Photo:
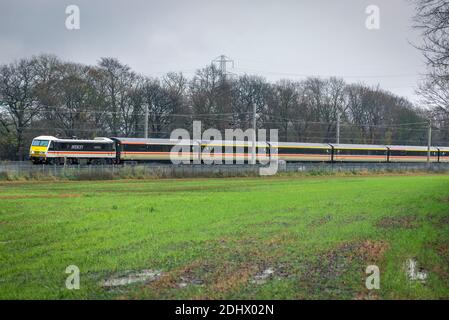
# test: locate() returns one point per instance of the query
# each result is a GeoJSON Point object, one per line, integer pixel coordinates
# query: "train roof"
{"type": "Point", "coordinates": [232, 143]}
{"type": "Point", "coordinates": [45, 138]}
{"type": "Point", "coordinates": [303, 145]}
{"type": "Point", "coordinates": [411, 148]}
{"type": "Point", "coordinates": [145, 140]}
{"type": "Point", "coordinates": [96, 140]}
{"type": "Point", "coordinates": [124, 140]}
{"type": "Point", "coordinates": [359, 146]}
{"type": "Point", "coordinates": [175, 141]}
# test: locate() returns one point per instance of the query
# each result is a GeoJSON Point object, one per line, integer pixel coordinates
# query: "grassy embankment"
{"type": "Point", "coordinates": [214, 238]}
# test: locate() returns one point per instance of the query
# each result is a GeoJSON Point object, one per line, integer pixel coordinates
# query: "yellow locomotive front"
{"type": "Point", "coordinates": [38, 149]}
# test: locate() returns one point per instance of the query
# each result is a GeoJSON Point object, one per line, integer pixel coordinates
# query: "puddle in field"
{"type": "Point", "coordinates": [185, 281]}
{"type": "Point", "coordinates": [263, 276]}
{"type": "Point", "coordinates": [414, 273]}
{"type": "Point", "coordinates": [146, 275]}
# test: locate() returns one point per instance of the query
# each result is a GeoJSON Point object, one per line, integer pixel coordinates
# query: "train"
{"type": "Point", "coordinates": [117, 150]}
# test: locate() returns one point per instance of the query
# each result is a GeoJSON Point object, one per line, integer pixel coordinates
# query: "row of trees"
{"type": "Point", "coordinates": [44, 95]}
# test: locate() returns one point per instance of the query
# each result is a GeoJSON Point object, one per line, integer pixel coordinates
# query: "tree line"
{"type": "Point", "coordinates": [46, 95]}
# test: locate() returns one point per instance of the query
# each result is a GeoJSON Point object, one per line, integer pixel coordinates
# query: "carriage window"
{"type": "Point", "coordinates": [417, 153]}
{"type": "Point", "coordinates": [134, 147]}
{"type": "Point", "coordinates": [363, 152]}
{"type": "Point", "coordinates": [412, 153]}
{"type": "Point", "coordinates": [398, 152]}
{"type": "Point", "coordinates": [303, 150]}
{"type": "Point", "coordinates": [409, 153]}
{"type": "Point", "coordinates": [160, 147]}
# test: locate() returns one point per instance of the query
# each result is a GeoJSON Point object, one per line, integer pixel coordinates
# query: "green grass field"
{"type": "Point", "coordinates": [213, 238]}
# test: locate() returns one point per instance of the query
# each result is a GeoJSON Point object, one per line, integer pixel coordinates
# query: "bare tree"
{"type": "Point", "coordinates": [432, 19]}
{"type": "Point", "coordinates": [434, 91]}
{"type": "Point", "coordinates": [282, 104]}
{"type": "Point", "coordinates": [161, 106]}
{"type": "Point", "coordinates": [70, 110]}
{"type": "Point", "coordinates": [301, 114]}
{"type": "Point", "coordinates": [366, 108]}
{"type": "Point", "coordinates": [325, 98]}
{"type": "Point", "coordinates": [176, 86]}
{"type": "Point", "coordinates": [117, 78]}
{"type": "Point", "coordinates": [247, 91]}
{"type": "Point", "coordinates": [17, 99]}
{"type": "Point", "coordinates": [210, 97]}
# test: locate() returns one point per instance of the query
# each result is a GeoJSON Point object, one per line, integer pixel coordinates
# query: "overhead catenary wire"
{"type": "Point", "coordinates": [397, 75]}
{"type": "Point", "coordinates": [316, 139]}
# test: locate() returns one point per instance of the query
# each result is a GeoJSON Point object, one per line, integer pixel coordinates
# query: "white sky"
{"type": "Point", "coordinates": [275, 39]}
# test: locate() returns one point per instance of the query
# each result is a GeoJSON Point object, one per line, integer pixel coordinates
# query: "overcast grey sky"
{"type": "Point", "coordinates": [275, 39]}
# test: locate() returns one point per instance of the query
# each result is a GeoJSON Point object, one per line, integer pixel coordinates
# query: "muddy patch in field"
{"type": "Point", "coordinates": [146, 275]}
{"type": "Point", "coordinates": [230, 278]}
{"type": "Point", "coordinates": [215, 279]}
{"type": "Point", "coordinates": [247, 265]}
{"type": "Point", "coordinates": [438, 220]}
{"type": "Point", "coordinates": [443, 221]}
{"type": "Point", "coordinates": [373, 250]}
{"type": "Point", "coordinates": [443, 250]}
{"type": "Point", "coordinates": [333, 263]}
{"type": "Point", "coordinates": [220, 188]}
{"type": "Point", "coordinates": [323, 276]}
{"type": "Point", "coordinates": [193, 273]}
{"type": "Point", "coordinates": [352, 219]}
{"type": "Point", "coordinates": [320, 221]}
{"type": "Point", "coordinates": [441, 268]}
{"type": "Point", "coordinates": [330, 274]}
{"type": "Point", "coordinates": [273, 222]}
{"type": "Point", "coordinates": [230, 265]}
{"type": "Point", "coordinates": [405, 222]}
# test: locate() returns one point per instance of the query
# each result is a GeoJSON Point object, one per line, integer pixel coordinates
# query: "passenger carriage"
{"type": "Point", "coordinates": [359, 153]}
{"type": "Point", "coordinates": [290, 151]}
{"type": "Point", "coordinates": [412, 154]}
